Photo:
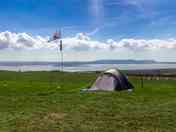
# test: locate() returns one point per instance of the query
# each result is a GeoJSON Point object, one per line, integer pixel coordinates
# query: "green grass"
{"type": "Point", "coordinates": [52, 102]}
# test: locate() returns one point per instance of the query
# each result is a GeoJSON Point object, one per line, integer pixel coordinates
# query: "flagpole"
{"type": "Point", "coordinates": [61, 52]}
{"type": "Point", "coordinates": [59, 63]}
{"type": "Point", "coordinates": [62, 61]}
{"type": "Point", "coordinates": [57, 36]}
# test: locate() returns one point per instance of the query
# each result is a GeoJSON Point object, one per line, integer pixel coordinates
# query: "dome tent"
{"type": "Point", "coordinates": [111, 80]}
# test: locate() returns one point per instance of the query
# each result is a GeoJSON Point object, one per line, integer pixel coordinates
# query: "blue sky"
{"type": "Point", "coordinates": [114, 18]}
{"type": "Point", "coordinates": [100, 19]}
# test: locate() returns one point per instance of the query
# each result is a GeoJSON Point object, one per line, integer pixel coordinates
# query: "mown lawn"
{"type": "Point", "coordinates": [52, 102]}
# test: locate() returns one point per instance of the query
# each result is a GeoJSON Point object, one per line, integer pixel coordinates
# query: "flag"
{"type": "Point", "coordinates": [56, 36]}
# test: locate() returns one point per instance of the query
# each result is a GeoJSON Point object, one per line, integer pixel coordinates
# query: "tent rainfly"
{"type": "Point", "coordinates": [111, 80]}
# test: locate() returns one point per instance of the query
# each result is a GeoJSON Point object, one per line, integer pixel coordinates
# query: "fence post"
{"type": "Point", "coordinates": [142, 82]}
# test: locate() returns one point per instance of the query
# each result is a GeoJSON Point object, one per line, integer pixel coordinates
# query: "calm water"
{"type": "Point", "coordinates": [91, 67]}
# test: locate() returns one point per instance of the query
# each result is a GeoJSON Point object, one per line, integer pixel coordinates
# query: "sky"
{"type": "Point", "coordinates": [91, 29]}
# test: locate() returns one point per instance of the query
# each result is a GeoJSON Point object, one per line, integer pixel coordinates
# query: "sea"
{"type": "Point", "coordinates": [87, 67]}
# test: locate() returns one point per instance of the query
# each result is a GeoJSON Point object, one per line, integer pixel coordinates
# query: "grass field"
{"type": "Point", "coordinates": [52, 102]}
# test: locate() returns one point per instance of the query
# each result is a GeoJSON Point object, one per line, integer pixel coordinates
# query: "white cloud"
{"type": "Point", "coordinates": [81, 42]}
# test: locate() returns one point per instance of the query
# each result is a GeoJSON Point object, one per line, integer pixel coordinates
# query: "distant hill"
{"type": "Point", "coordinates": [76, 63]}
{"type": "Point", "coordinates": [125, 62]}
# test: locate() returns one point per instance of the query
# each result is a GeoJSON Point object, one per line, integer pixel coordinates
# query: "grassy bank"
{"type": "Point", "coordinates": [52, 102]}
